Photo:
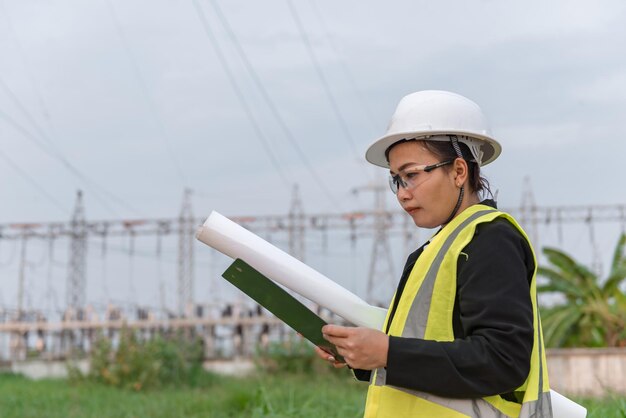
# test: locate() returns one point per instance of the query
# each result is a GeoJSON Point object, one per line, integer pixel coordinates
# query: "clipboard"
{"type": "Point", "coordinates": [276, 300]}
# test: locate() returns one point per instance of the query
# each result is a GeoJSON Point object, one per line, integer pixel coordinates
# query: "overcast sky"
{"type": "Point", "coordinates": [131, 101]}
{"type": "Point", "coordinates": [134, 97]}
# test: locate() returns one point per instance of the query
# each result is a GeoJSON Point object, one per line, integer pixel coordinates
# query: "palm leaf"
{"type": "Point", "coordinates": [558, 326]}
{"type": "Point", "coordinates": [577, 273]}
{"type": "Point", "coordinates": [594, 313]}
{"type": "Point", "coordinates": [620, 300]}
{"type": "Point", "coordinates": [614, 281]}
{"type": "Point", "coordinates": [598, 337]}
{"type": "Point", "coordinates": [567, 264]}
{"type": "Point", "coordinates": [619, 256]}
{"type": "Point", "coordinates": [559, 283]}
{"type": "Point", "coordinates": [590, 326]}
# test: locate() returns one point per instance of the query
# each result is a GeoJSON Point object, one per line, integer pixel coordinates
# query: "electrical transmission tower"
{"type": "Point", "coordinates": [381, 224]}
{"type": "Point", "coordinates": [379, 280]}
{"type": "Point", "coordinates": [528, 209]}
{"type": "Point", "coordinates": [76, 282]}
{"type": "Point", "coordinates": [186, 232]}
{"type": "Point", "coordinates": [296, 226]}
{"type": "Point", "coordinates": [20, 280]}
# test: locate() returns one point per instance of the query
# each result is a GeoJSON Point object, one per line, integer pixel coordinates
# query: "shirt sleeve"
{"type": "Point", "coordinates": [493, 343]}
{"type": "Point", "coordinates": [362, 375]}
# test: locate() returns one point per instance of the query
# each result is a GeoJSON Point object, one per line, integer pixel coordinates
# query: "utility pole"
{"type": "Point", "coordinates": [296, 226]}
{"type": "Point", "coordinates": [76, 283]}
{"type": "Point", "coordinates": [295, 234]}
{"type": "Point", "coordinates": [529, 212]}
{"type": "Point", "coordinates": [21, 278]}
{"type": "Point", "coordinates": [186, 232]}
{"type": "Point", "coordinates": [596, 257]}
{"type": "Point", "coordinates": [379, 279]}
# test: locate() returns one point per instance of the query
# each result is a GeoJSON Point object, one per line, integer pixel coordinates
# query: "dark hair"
{"type": "Point", "coordinates": [444, 151]}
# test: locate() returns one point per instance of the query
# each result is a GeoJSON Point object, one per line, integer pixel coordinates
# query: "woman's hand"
{"type": "Point", "coordinates": [324, 355]}
{"type": "Point", "coordinates": [362, 348]}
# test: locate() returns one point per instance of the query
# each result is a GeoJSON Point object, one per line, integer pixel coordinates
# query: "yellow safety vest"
{"type": "Point", "coordinates": [425, 311]}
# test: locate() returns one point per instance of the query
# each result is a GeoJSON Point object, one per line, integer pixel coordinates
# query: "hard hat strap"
{"type": "Point", "coordinates": [455, 144]}
{"type": "Point", "coordinates": [458, 205]}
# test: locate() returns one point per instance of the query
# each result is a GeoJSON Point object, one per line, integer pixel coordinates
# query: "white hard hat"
{"type": "Point", "coordinates": [434, 115]}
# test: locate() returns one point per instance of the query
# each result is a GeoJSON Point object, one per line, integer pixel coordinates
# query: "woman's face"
{"type": "Point", "coordinates": [434, 195]}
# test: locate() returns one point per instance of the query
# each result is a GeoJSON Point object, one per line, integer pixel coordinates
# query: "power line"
{"type": "Point", "coordinates": [11, 256]}
{"type": "Point", "coordinates": [34, 183]}
{"type": "Point", "coordinates": [344, 228]}
{"type": "Point", "coordinates": [271, 105]}
{"type": "Point", "coordinates": [239, 93]}
{"type": "Point", "coordinates": [51, 154]}
{"type": "Point", "coordinates": [68, 166]}
{"type": "Point", "coordinates": [25, 62]}
{"type": "Point", "coordinates": [30, 119]}
{"type": "Point", "coordinates": [147, 97]}
{"type": "Point", "coordinates": [57, 152]}
{"type": "Point", "coordinates": [322, 77]}
{"type": "Point", "coordinates": [348, 74]}
{"type": "Point", "coordinates": [54, 152]}
{"type": "Point", "coordinates": [136, 253]}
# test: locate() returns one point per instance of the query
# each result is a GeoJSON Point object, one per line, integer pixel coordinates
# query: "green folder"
{"type": "Point", "coordinates": [276, 300]}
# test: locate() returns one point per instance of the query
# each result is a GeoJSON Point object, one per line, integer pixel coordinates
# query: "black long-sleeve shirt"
{"type": "Point", "coordinates": [492, 323]}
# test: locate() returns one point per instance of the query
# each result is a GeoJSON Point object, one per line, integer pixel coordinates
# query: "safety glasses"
{"type": "Point", "coordinates": [411, 177]}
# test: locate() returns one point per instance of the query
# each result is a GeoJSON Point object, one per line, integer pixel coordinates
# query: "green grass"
{"type": "Point", "coordinates": [611, 407]}
{"type": "Point", "coordinates": [327, 395]}
{"type": "Point", "coordinates": [269, 396]}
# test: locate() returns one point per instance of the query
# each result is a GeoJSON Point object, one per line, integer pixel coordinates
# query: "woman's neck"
{"type": "Point", "coordinates": [469, 199]}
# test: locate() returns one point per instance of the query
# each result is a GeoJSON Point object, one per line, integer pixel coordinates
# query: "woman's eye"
{"type": "Point", "coordinates": [410, 176]}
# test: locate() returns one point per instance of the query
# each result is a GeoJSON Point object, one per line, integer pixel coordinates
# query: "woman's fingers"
{"type": "Point", "coordinates": [336, 331]}
{"type": "Point", "coordinates": [362, 348]}
{"type": "Point", "coordinates": [324, 355]}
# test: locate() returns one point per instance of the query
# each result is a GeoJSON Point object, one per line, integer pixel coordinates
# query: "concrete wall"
{"type": "Point", "coordinates": [593, 372]}
{"type": "Point", "coordinates": [42, 369]}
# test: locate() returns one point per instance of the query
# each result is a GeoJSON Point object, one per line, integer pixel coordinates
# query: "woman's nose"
{"type": "Point", "coordinates": [404, 194]}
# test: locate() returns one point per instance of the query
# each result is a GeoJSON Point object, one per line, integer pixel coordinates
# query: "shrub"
{"type": "Point", "coordinates": [139, 364]}
{"type": "Point", "coordinates": [295, 355]}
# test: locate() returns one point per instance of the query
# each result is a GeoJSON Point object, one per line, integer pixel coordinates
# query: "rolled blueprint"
{"type": "Point", "coordinates": [235, 241]}
{"type": "Point", "coordinates": [563, 407]}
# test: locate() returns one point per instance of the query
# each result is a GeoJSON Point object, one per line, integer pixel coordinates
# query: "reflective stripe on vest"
{"type": "Point", "coordinates": [425, 311]}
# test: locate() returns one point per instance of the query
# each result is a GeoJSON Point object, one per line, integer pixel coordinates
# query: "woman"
{"type": "Point", "coordinates": [462, 336]}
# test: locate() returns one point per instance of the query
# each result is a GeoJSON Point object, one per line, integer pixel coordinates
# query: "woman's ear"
{"type": "Point", "coordinates": [460, 170]}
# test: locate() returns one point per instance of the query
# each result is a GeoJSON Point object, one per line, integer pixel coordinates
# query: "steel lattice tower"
{"type": "Point", "coordinates": [529, 212]}
{"type": "Point", "coordinates": [381, 250]}
{"type": "Point", "coordinates": [296, 226]}
{"type": "Point", "coordinates": [20, 283]}
{"type": "Point", "coordinates": [186, 232]}
{"type": "Point", "coordinates": [76, 279]}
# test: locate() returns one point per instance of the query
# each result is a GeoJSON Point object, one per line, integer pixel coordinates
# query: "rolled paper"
{"type": "Point", "coordinates": [563, 407]}
{"type": "Point", "coordinates": [235, 241]}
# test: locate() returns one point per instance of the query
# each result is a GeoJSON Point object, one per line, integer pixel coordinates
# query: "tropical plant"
{"type": "Point", "coordinates": [593, 313]}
